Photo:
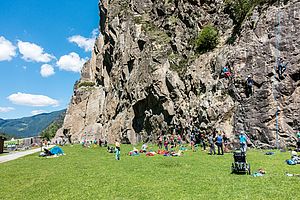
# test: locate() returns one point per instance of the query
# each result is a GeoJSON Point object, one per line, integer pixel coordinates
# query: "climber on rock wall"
{"type": "Point", "coordinates": [226, 72]}
{"type": "Point", "coordinates": [249, 86]}
{"type": "Point", "coordinates": [298, 141]}
{"type": "Point", "coordinates": [281, 67]}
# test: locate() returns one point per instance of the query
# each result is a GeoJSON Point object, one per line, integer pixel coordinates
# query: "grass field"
{"type": "Point", "coordinates": [95, 174]}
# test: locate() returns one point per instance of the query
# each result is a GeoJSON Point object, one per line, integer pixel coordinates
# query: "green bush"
{"type": "Point", "coordinates": [207, 39]}
{"type": "Point", "coordinates": [86, 84]}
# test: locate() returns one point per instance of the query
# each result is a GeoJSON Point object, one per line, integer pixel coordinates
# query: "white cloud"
{"type": "Point", "coordinates": [47, 70]}
{"type": "Point", "coordinates": [32, 100]}
{"type": "Point", "coordinates": [71, 62]}
{"type": "Point", "coordinates": [33, 52]}
{"type": "Point", "coordinates": [86, 43]}
{"type": "Point", "coordinates": [7, 49]}
{"type": "Point", "coordinates": [6, 109]}
{"type": "Point", "coordinates": [36, 112]}
{"type": "Point", "coordinates": [95, 33]}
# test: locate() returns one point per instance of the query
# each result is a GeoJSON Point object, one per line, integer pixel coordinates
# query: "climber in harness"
{"type": "Point", "coordinates": [226, 72]}
{"type": "Point", "coordinates": [298, 141]}
{"type": "Point", "coordinates": [249, 86]}
{"type": "Point", "coordinates": [281, 67]}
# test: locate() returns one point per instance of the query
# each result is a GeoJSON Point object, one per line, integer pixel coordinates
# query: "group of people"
{"type": "Point", "coordinates": [217, 138]}
{"type": "Point", "coordinates": [169, 141]}
{"type": "Point", "coordinates": [220, 140]}
{"type": "Point", "coordinates": [88, 143]}
{"type": "Point", "coordinates": [280, 69]}
{"type": "Point", "coordinates": [214, 139]}
{"type": "Point", "coordinates": [196, 139]}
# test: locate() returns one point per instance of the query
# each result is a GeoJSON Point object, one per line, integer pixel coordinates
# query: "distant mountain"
{"type": "Point", "coordinates": [51, 130]}
{"type": "Point", "coordinates": [1, 121]}
{"type": "Point", "coordinates": [29, 126]}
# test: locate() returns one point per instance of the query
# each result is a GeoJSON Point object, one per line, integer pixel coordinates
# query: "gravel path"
{"type": "Point", "coordinates": [17, 155]}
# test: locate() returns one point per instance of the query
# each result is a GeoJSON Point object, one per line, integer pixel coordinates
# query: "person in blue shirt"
{"type": "Point", "coordinates": [219, 143]}
{"type": "Point", "coordinates": [243, 142]}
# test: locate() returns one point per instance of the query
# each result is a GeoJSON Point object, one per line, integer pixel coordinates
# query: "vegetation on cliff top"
{"type": "Point", "coordinates": [239, 10]}
{"type": "Point", "coordinates": [86, 84]}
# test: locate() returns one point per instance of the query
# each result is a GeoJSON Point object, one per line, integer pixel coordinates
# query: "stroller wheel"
{"type": "Point", "coordinates": [249, 169]}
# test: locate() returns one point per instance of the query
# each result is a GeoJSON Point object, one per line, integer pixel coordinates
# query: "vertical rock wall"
{"type": "Point", "coordinates": [144, 74]}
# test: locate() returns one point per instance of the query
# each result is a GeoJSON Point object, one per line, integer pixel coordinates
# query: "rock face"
{"type": "Point", "coordinates": [144, 74]}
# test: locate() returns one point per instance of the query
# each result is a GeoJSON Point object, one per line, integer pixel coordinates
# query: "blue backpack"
{"type": "Point", "coordinates": [290, 162]}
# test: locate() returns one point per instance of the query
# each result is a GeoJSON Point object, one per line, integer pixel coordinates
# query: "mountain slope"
{"type": "Point", "coordinates": [51, 130]}
{"type": "Point", "coordinates": [29, 126]}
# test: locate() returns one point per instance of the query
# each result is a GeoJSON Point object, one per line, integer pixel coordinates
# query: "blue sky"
{"type": "Point", "coordinates": [43, 44]}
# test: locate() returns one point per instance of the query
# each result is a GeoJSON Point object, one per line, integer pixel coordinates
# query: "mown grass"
{"type": "Point", "coordinates": [95, 174]}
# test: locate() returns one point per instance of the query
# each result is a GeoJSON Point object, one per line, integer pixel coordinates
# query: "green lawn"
{"type": "Point", "coordinates": [95, 174]}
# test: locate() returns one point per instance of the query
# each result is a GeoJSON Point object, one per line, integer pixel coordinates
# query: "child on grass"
{"type": "Point", "coordinates": [118, 150]}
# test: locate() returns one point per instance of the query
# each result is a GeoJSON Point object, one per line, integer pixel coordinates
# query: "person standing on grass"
{"type": "Point", "coordinates": [243, 142]}
{"type": "Point", "coordinates": [202, 141]}
{"type": "Point", "coordinates": [211, 144]}
{"type": "Point", "coordinates": [118, 150]}
{"type": "Point", "coordinates": [220, 144]}
{"type": "Point", "coordinates": [179, 140]}
{"type": "Point", "coordinates": [166, 143]}
{"type": "Point", "coordinates": [100, 143]}
{"type": "Point", "coordinates": [160, 141]}
{"type": "Point", "coordinates": [226, 143]}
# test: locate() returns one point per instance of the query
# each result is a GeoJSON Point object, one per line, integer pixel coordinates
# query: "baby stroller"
{"type": "Point", "coordinates": [240, 164]}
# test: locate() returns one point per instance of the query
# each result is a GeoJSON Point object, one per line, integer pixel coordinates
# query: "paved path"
{"type": "Point", "coordinates": [17, 155]}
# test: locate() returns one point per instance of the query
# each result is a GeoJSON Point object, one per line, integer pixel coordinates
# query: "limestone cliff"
{"type": "Point", "coordinates": [145, 75]}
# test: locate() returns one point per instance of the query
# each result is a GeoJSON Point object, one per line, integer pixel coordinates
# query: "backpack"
{"type": "Point", "coordinates": [290, 162]}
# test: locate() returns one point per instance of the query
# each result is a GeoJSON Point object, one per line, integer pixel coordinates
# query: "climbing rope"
{"type": "Point", "coordinates": [277, 56]}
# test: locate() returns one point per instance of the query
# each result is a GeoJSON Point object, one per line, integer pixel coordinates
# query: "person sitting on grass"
{"type": "Point", "coordinates": [134, 152]}
{"type": "Point", "coordinates": [144, 148]}
{"type": "Point", "coordinates": [110, 149]}
{"type": "Point", "coordinates": [177, 154]}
